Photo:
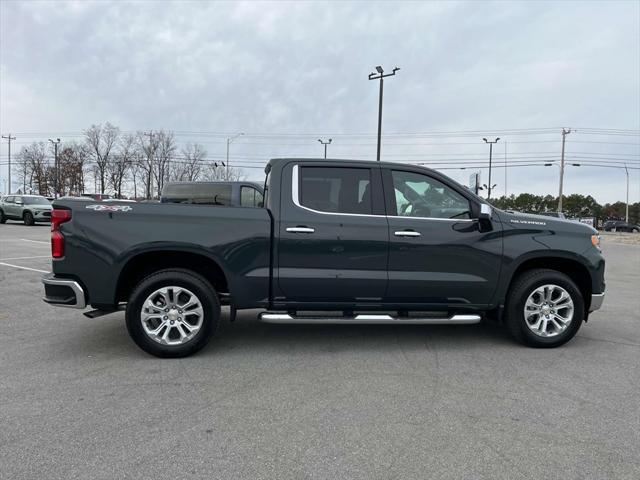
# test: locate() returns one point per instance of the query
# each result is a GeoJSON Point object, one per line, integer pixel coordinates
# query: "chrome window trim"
{"type": "Point", "coordinates": [295, 196]}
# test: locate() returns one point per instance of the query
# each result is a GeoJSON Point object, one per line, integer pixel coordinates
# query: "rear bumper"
{"type": "Point", "coordinates": [597, 299]}
{"type": "Point", "coordinates": [63, 292]}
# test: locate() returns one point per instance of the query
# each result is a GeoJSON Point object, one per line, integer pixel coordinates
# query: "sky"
{"type": "Point", "coordinates": [288, 73]}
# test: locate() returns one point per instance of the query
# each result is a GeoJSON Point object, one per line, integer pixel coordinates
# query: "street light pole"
{"type": "Point", "coordinates": [55, 166]}
{"type": "Point", "coordinates": [229, 140]}
{"type": "Point", "coordinates": [325, 146]}
{"type": "Point", "coordinates": [565, 132]}
{"type": "Point", "coordinates": [489, 187]}
{"type": "Point", "coordinates": [380, 75]}
{"type": "Point", "coordinates": [9, 138]}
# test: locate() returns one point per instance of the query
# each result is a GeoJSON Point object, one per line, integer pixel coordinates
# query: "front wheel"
{"type": "Point", "coordinates": [544, 308]}
{"type": "Point", "coordinates": [28, 219]}
{"type": "Point", "coordinates": [172, 313]}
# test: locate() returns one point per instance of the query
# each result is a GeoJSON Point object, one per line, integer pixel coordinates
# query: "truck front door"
{"type": "Point", "coordinates": [333, 235]}
{"type": "Point", "coordinates": [439, 256]}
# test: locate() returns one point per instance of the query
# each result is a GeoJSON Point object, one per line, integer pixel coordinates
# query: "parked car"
{"type": "Point", "coordinates": [379, 242]}
{"type": "Point", "coordinates": [244, 194]}
{"type": "Point", "coordinates": [25, 208]}
{"type": "Point", "coordinates": [620, 226]}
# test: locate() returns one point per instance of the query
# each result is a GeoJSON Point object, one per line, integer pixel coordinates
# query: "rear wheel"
{"type": "Point", "coordinates": [172, 313]}
{"type": "Point", "coordinates": [544, 308]}
{"type": "Point", "coordinates": [3, 218]}
{"type": "Point", "coordinates": [28, 219]}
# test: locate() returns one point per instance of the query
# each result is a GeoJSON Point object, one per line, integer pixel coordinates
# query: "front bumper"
{"type": "Point", "coordinates": [43, 216]}
{"type": "Point", "coordinates": [63, 292]}
{"type": "Point", "coordinates": [597, 299]}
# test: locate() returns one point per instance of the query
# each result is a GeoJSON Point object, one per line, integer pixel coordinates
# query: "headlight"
{"type": "Point", "coordinates": [595, 241]}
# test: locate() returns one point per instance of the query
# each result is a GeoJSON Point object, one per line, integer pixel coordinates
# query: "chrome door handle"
{"type": "Point", "coordinates": [406, 233]}
{"type": "Point", "coordinates": [300, 229]}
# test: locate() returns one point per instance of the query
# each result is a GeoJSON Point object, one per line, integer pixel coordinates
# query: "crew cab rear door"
{"type": "Point", "coordinates": [439, 256]}
{"type": "Point", "coordinates": [333, 234]}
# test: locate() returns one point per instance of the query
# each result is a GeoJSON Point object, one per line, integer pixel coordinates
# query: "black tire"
{"type": "Point", "coordinates": [521, 288]}
{"type": "Point", "coordinates": [189, 280]}
{"type": "Point", "coordinates": [28, 219]}
{"type": "Point", "coordinates": [3, 218]}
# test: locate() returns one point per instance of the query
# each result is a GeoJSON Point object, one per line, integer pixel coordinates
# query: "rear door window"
{"type": "Point", "coordinates": [336, 189]}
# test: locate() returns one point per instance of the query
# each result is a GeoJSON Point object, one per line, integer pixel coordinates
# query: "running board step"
{"type": "Point", "coordinates": [368, 319]}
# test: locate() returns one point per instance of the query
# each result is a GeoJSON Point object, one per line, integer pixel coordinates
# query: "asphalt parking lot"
{"type": "Point", "coordinates": [79, 400]}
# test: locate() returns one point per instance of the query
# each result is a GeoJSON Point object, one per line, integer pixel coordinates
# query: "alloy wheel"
{"type": "Point", "coordinates": [548, 310]}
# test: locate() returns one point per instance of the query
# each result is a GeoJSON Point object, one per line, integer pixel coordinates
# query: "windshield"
{"type": "Point", "coordinates": [35, 201]}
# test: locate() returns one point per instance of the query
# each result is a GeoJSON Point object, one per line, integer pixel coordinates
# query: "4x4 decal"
{"type": "Point", "coordinates": [110, 208]}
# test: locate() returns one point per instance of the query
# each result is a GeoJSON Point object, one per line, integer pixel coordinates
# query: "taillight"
{"type": "Point", "coordinates": [58, 217]}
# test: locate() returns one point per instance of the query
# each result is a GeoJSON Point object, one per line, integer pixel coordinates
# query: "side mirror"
{"type": "Point", "coordinates": [485, 212]}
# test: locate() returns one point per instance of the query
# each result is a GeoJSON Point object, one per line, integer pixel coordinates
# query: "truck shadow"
{"type": "Point", "coordinates": [249, 336]}
{"type": "Point", "coordinates": [249, 332]}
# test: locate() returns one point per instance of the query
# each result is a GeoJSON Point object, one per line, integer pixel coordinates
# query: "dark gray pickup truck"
{"type": "Point", "coordinates": [337, 242]}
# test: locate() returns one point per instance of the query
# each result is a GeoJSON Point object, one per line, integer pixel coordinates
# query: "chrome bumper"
{"type": "Point", "coordinates": [596, 301]}
{"type": "Point", "coordinates": [63, 292]}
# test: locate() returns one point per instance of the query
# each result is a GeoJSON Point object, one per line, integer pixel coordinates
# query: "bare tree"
{"type": "Point", "coordinates": [164, 151]}
{"type": "Point", "coordinates": [120, 163]}
{"type": "Point", "coordinates": [216, 171]}
{"type": "Point", "coordinates": [101, 140]}
{"type": "Point", "coordinates": [145, 162]}
{"type": "Point", "coordinates": [135, 170]}
{"type": "Point", "coordinates": [72, 160]}
{"type": "Point", "coordinates": [189, 168]}
{"type": "Point", "coordinates": [33, 168]}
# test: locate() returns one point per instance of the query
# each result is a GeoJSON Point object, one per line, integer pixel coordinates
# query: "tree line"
{"type": "Point", "coordinates": [574, 206]}
{"type": "Point", "coordinates": [119, 163]}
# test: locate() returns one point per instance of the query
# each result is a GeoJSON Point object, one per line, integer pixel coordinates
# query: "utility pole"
{"type": "Point", "coordinates": [150, 178]}
{"type": "Point", "coordinates": [381, 76]}
{"type": "Point", "coordinates": [626, 215]}
{"type": "Point", "coordinates": [565, 132]}
{"type": "Point", "coordinates": [9, 138]}
{"type": "Point", "coordinates": [55, 166]}
{"type": "Point", "coordinates": [229, 140]}
{"type": "Point", "coordinates": [325, 146]}
{"type": "Point", "coordinates": [489, 186]}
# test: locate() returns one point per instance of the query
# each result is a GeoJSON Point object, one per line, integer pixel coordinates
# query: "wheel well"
{"type": "Point", "coordinates": [145, 264]}
{"type": "Point", "coordinates": [572, 268]}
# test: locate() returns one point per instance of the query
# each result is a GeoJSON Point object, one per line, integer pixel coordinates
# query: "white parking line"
{"type": "Point", "coordinates": [26, 258]}
{"type": "Point", "coordinates": [24, 268]}
{"type": "Point", "coordinates": [35, 241]}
